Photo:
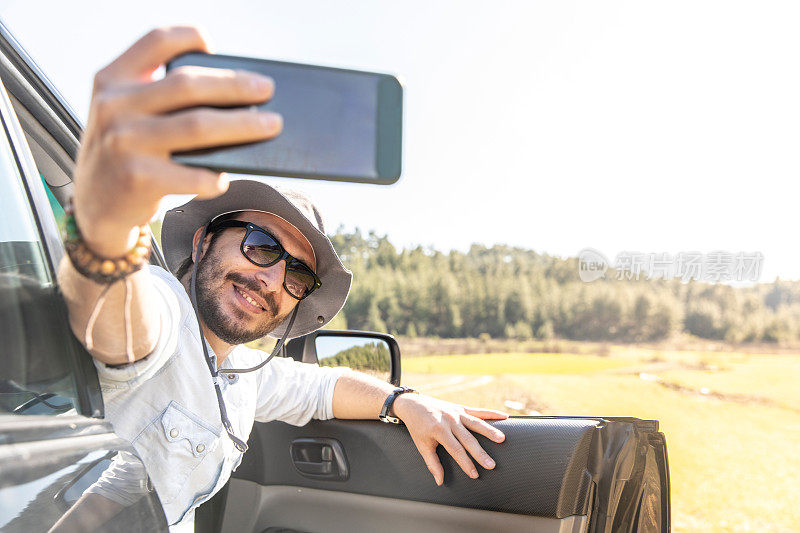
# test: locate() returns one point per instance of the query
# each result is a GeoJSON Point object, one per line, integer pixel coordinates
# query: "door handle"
{"type": "Point", "coordinates": [320, 458]}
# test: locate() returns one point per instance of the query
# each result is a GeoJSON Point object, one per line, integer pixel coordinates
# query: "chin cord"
{"type": "Point", "coordinates": [239, 443]}
{"type": "Point", "coordinates": [275, 350]}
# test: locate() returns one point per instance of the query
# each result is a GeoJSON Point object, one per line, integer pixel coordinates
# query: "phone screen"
{"type": "Point", "coordinates": [337, 124]}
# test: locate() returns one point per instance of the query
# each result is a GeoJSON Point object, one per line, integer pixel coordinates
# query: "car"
{"type": "Point", "coordinates": [554, 473]}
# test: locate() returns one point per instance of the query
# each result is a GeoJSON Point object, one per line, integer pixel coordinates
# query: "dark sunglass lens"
{"type": "Point", "coordinates": [261, 248]}
{"type": "Point", "coordinates": [299, 280]}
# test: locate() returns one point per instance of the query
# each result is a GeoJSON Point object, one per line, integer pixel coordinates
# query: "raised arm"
{"type": "Point", "coordinates": [124, 170]}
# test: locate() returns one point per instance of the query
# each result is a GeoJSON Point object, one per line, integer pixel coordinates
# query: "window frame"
{"type": "Point", "coordinates": [90, 401]}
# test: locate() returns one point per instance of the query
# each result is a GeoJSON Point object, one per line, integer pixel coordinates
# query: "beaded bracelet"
{"type": "Point", "coordinates": [104, 270]}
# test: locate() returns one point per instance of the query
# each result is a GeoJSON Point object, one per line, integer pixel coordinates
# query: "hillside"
{"type": "Point", "coordinates": [513, 293]}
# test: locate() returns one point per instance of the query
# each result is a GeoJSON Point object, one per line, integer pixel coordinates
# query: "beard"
{"type": "Point", "coordinates": [211, 282]}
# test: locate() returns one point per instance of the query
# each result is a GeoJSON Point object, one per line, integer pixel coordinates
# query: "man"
{"type": "Point", "coordinates": [255, 261]}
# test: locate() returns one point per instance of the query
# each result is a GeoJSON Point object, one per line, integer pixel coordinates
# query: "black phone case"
{"type": "Point", "coordinates": [321, 139]}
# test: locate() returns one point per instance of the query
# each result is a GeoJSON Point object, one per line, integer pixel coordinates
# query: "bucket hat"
{"type": "Point", "coordinates": [318, 308]}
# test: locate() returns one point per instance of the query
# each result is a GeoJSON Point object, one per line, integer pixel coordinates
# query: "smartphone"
{"type": "Point", "coordinates": [341, 125]}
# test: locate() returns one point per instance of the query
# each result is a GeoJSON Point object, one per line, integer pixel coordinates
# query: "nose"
{"type": "Point", "coordinates": [272, 276]}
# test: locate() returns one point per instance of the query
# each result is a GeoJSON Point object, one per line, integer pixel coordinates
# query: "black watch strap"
{"type": "Point", "coordinates": [387, 405]}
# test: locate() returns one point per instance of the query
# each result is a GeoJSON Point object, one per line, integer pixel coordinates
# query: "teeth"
{"type": "Point", "coordinates": [249, 300]}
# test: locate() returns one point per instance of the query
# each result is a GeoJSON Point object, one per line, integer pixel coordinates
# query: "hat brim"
{"type": "Point", "coordinates": [314, 311]}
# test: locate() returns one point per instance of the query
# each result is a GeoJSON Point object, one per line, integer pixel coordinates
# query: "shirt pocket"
{"type": "Point", "coordinates": [177, 441]}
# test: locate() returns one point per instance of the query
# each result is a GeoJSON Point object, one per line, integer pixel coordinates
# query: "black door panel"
{"type": "Point", "coordinates": [384, 462]}
{"type": "Point", "coordinates": [552, 467]}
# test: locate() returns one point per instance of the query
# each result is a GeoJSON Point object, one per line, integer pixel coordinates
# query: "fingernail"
{"type": "Point", "coordinates": [261, 84]}
{"type": "Point", "coordinates": [473, 474]}
{"type": "Point", "coordinates": [206, 38]}
{"type": "Point", "coordinates": [223, 181]}
{"type": "Point", "coordinates": [270, 121]}
{"type": "Point", "coordinates": [489, 463]}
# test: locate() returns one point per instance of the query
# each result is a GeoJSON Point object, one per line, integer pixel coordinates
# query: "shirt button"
{"type": "Point", "coordinates": [173, 433]}
{"type": "Point", "coordinates": [200, 448]}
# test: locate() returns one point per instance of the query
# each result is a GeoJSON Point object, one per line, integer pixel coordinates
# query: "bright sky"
{"type": "Point", "coordinates": [655, 127]}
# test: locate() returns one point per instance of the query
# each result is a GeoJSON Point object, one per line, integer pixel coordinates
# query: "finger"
{"type": "Point", "coordinates": [153, 50]}
{"type": "Point", "coordinates": [158, 177]}
{"type": "Point", "coordinates": [199, 86]}
{"type": "Point", "coordinates": [474, 448]}
{"type": "Point", "coordinates": [486, 414]}
{"type": "Point", "coordinates": [194, 180]}
{"type": "Point", "coordinates": [479, 426]}
{"type": "Point", "coordinates": [457, 451]}
{"type": "Point", "coordinates": [428, 453]}
{"type": "Point", "coordinates": [202, 128]}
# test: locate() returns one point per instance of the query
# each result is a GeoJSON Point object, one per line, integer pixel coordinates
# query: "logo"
{"type": "Point", "coordinates": [592, 265]}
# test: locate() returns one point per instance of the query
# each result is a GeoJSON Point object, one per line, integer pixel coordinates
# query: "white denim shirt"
{"type": "Point", "coordinates": [166, 407]}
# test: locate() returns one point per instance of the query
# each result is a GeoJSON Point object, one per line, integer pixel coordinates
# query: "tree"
{"type": "Point", "coordinates": [501, 291]}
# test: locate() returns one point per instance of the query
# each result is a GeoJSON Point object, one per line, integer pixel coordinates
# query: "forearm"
{"type": "Point", "coordinates": [359, 396]}
{"type": "Point", "coordinates": [108, 335]}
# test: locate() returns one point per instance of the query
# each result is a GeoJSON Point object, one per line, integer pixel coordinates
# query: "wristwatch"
{"type": "Point", "coordinates": [387, 405]}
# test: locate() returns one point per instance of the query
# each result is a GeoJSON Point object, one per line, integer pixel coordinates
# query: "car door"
{"type": "Point", "coordinates": [553, 473]}
{"type": "Point", "coordinates": [62, 468]}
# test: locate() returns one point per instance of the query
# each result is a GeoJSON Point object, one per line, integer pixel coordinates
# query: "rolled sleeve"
{"type": "Point", "coordinates": [325, 401]}
{"type": "Point", "coordinates": [295, 392]}
{"type": "Point", "coordinates": [169, 311]}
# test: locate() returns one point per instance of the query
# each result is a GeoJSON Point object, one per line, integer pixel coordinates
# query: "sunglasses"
{"type": "Point", "coordinates": [261, 248]}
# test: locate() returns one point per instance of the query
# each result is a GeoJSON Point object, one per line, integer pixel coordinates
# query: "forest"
{"type": "Point", "coordinates": [506, 292]}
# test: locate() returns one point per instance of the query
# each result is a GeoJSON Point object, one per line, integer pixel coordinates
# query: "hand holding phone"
{"type": "Point", "coordinates": [124, 166]}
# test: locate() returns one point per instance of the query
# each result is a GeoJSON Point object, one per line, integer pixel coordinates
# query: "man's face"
{"type": "Point", "coordinates": [228, 284]}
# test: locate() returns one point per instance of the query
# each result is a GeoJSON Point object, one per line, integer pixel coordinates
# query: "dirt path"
{"type": "Point", "coordinates": [748, 399]}
{"type": "Point", "coordinates": [455, 384]}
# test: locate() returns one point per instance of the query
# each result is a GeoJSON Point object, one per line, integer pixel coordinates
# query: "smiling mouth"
{"type": "Point", "coordinates": [249, 299]}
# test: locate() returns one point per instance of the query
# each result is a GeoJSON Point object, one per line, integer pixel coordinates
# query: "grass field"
{"type": "Point", "coordinates": [732, 419]}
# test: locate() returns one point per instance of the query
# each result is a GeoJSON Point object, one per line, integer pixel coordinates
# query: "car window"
{"type": "Point", "coordinates": [37, 378]}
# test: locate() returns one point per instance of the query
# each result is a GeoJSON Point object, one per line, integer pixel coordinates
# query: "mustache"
{"type": "Point", "coordinates": [254, 287]}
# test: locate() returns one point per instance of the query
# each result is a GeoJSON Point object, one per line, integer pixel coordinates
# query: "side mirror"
{"type": "Point", "coordinates": [377, 354]}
